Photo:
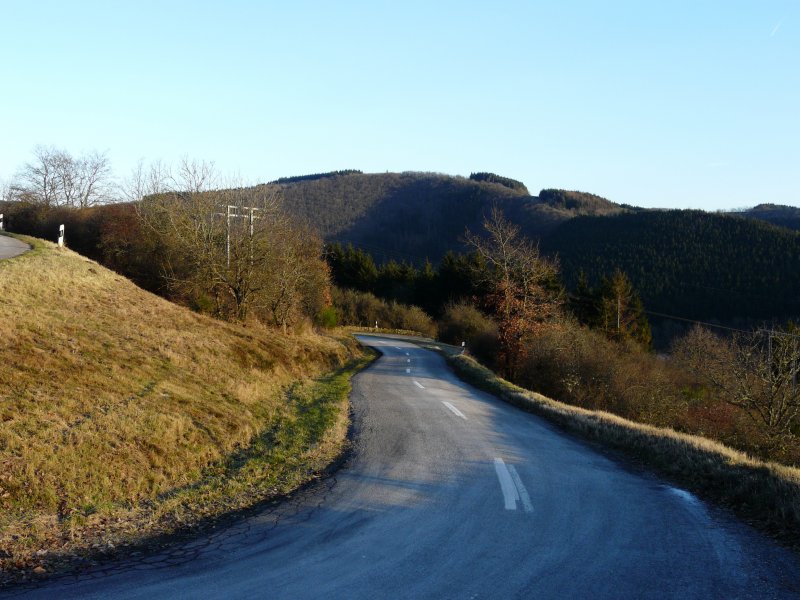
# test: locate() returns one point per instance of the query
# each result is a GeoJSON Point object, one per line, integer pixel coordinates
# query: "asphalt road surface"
{"type": "Point", "coordinates": [451, 493]}
{"type": "Point", "coordinates": [11, 247]}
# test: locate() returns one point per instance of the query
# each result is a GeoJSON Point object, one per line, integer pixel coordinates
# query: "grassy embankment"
{"type": "Point", "coordinates": [766, 494]}
{"type": "Point", "coordinates": [123, 416]}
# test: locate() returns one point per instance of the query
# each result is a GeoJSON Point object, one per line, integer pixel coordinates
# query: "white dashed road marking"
{"type": "Point", "coordinates": [455, 411]}
{"type": "Point", "coordinates": [512, 487]}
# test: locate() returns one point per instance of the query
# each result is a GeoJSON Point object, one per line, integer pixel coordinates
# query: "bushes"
{"type": "Point", "coordinates": [364, 309]}
{"type": "Point", "coordinates": [111, 234]}
{"type": "Point", "coordinates": [582, 367]}
{"type": "Point", "coordinates": [585, 368]}
{"type": "Point", "coordinates": [465, 323]}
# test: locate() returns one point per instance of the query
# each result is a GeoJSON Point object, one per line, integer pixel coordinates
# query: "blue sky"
{"type": "Point", "coordinates": [669, 104]}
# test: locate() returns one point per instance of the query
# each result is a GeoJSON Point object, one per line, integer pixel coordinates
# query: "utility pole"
{"type": "Point", "coordinates": [228, 236]}
{"type": "Point", "coordinates": [241, 212]}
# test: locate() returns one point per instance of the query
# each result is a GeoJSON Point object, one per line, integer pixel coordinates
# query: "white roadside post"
{"type": "Point", "coordinates": [1, 221]}
{"type": "Point", "coordinates": [463, 347]}
{"type": "Point", "coordinates": [61, 236]}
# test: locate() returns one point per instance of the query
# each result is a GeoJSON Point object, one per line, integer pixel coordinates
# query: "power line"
{"type": "Point", "coordinates": [696, 322]}
{"type": "Point", "coordinates": [589, 302]}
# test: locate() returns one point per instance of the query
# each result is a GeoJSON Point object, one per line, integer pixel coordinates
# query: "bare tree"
{"type": "Point", "coordinates": [37, 181]}
{"type": "Point", "coordinates": [5, 190]}
{"type": "Point", "coordinates": [232, 248]}
{"type": "Point", "coordinates": [94, 179]}
{"type": "Point", "coordinates": [146, 181]}
{"type": "Point", "coordinates": [56, 178]}
{"type": "Point", "coordinates": [194, 175]}
{"type": "Point", "coordinates": [296, 280]}
{"type": "Point", "coordinates": [525, 292]}
{"type": "Point", "coordinates": [756, 372]}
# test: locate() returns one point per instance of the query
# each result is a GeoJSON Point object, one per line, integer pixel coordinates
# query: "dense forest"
{"type": "Point", "coordinates": [314, 176]}
{"type": "Point", "coordinates": [418, 216]}
{"type": "Point", "coordinates": [511, 184]}
{"type": "Point", "coordinates": [689, 263]}
{"type": "Point", "coordinates": [581, 202]}
{"type": "Point", "coordinates": [777, 214]}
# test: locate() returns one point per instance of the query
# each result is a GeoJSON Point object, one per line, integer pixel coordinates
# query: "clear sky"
{"type": "Point", "coordinates": [672, 104]}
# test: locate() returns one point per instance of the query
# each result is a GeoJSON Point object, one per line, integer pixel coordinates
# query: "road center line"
{"type": "Point", "coordinates": [456, 412]}
{"type": "Point", "coordinates": [408, 360]}
{"type": "Point", "coordinates": [419, 385]}
{"type": "Point", "coordinates": [408, 370]}
{"type": "Point", "coordinates": [510, 494]}
{"type": "Point", "coordinates": [523, 493]}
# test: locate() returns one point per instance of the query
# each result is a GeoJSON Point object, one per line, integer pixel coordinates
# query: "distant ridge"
{"type": "Point", "coordinates": [777, 214]}
{"type": "Point", "coordinates": [511, 184]}
{"type": "Point", "coordinates": [312, 177]}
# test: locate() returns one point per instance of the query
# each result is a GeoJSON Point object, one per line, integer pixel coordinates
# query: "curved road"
{"type": "Point", "coordinates": [11, 247]}
{"type": "Point", "coordinates": [451, 493]}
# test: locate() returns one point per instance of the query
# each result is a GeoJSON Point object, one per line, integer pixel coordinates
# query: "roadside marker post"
{"type": "Point", "coordinates": [61, 236]}
{"type": "Point", "coordinates": [1, 221]}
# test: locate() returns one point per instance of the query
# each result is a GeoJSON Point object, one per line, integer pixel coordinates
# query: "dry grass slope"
{"type": "Point", "coordinates": [112, 399]}
{"type": "Point", "coordinates": [767, 494]}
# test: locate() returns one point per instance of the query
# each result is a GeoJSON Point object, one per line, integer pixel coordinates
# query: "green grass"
{"type": "Point", "coordinates": [308, 435]}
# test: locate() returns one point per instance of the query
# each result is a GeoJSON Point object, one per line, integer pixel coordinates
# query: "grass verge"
{"type": "Point", "coordinates": [383, 331]}
{"type": "Point", "coordinates": [123, 416]}
{"type": "Point", "coordinates": [764, 494]}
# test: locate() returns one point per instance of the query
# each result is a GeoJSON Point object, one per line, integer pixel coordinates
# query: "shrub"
{"type": "Point", "coordinates": [463, 323]}
{"type": "Point", "coordinates": [584, 368]}
{"type": "Point", "coordinates": [327, 318]}
{"type": "Point", "coordinates": [364, 310]}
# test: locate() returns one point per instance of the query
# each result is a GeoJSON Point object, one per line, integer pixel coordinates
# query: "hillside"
{"type": "Point", "coordinates": [689, 263]}
{"type": "Point", "coordinates": [777, 214]}
{"type": "Point", "coordinates": [415, 216]}
{"type": "Point", "coordinates": [116, 406]}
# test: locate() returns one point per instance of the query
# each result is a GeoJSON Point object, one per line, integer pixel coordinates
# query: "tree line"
{"type": "Point", "coordinates": [182, 231]}
{"type": "Point", "coordinates": [613, 307]}
{"type": "Point", "coordinates": [511, 184]}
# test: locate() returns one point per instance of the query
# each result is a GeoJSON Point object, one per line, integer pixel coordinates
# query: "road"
{"type": "Point", "coordinates": [451, 493]}
{"type": "Point", "coordinates": [11, 247]}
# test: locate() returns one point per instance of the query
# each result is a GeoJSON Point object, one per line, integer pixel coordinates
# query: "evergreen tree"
{"type": "Point", "coordinates": [620, 312]}
{"type": "Point", "coordinates": [351, 267]}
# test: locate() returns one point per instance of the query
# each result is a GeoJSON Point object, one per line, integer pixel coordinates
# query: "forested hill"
{"type": "Point", "coordinates": [777, 214]}
{"type": "Point", "coordinates": [414, 216]}
{"type": "Point", "coordinates": [689, 263]}
{"type": "Point", "coordinates": [733, 267]}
